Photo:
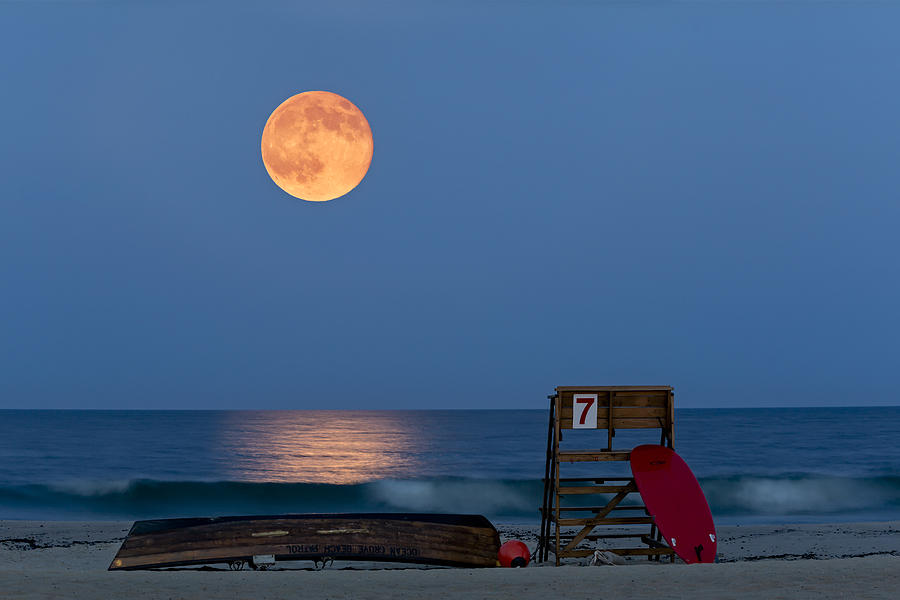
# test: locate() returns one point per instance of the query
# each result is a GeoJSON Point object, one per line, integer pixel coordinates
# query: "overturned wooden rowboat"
{"type": "Point", "coordinates": [433, 539]}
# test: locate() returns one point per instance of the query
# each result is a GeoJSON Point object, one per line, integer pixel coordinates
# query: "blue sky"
{"type": "Point", "coordinates": [703, 195]}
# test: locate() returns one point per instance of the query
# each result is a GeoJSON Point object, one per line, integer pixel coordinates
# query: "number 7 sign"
{"type": "Point", "coordinates": [584, 411]}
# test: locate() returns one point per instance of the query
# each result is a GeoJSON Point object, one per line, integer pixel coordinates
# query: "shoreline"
{"type": "Point", "coordinates": [736, 543]}
{"type": "Point", "coordinates": [61, 559]}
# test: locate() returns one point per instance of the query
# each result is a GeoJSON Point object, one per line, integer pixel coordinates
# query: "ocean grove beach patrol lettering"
{"type": "Point", "coordinates": [355, 549]}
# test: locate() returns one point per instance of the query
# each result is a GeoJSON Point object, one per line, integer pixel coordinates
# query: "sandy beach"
{"type": "Point", "coordinates": [859, 560]}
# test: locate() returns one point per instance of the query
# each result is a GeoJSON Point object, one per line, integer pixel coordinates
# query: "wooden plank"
{"type": "Point", "coordinates": [594, 509]}
{"type": "Point", "coordinates": [611, 536]}
{"type": "Point", "coordinates": [611, 430]}
{"type": "Point", "coordinates": [594, 479]}
{"type": "Point", "coordinates": [648, 423]}
{"type": "Point", "coordinates": [641, 393]}
{"type": "Point", "coordinates": [573, 554]}
{"type": "Point", "coordinates": [618, 423]}
{"type": "Point", "coordinates": [641, 412]}
{"type": "Point", "coordinates": [593, 455]}
{"type": "Point", "coordinates": [607, 388]}
{"type": "Point", "coordinates": [620, 552]}
{"type": "Point", "coordinates": [642, 551]}
{"type": "Point", "coordinates": [599, 508]}
{"type": "Point", "coordinates": [606, 521]}
{"type": "Point", "coordinates": [652, 542]}
{"type": "Point", "coordinates": [633, 412]}
{"type": "Point", "coordinates": [670, 425]}
{"type": "Point", "coordinates": [596, 489]}
{"type": "Point", "coordinates": [603, 396]}
{"type": "Point", "coordinates": [556, 434]}
{"type": "Point", "coordinates": [657, 401]}
{"type": "Point", "coordinates": [545, 506]}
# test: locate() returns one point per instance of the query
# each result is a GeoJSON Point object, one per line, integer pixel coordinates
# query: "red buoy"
{"type": "Point", "coordinates": [514, 554]}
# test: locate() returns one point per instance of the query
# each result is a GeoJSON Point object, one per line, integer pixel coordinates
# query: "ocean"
{"type": "Point", "coordinates": [754, 465]}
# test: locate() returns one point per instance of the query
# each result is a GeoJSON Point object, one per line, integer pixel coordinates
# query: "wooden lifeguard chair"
{"type": "Point", "coordinates": [597, 408]}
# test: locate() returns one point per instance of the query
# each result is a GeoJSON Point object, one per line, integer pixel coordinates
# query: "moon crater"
{"type": "Point", "coordinates": [317, 146]}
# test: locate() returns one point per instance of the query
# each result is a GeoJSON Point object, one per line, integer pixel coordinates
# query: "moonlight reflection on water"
{"type": "Point", "coordinates": [334, 447]}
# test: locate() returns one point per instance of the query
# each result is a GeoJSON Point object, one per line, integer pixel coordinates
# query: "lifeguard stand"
{"type": "Point", "coordinates": [597, 408]}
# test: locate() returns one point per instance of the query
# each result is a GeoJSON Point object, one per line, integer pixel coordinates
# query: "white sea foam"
{"type": "Point", "coordinates": [454, 496]}
{"type": "Point", "coordinates": [799, 495]}
{"type": "Point", "coordinates": [79, 487]}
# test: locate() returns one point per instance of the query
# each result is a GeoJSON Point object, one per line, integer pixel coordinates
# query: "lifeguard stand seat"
{"type": "Point", "coordinates": [601, 410]}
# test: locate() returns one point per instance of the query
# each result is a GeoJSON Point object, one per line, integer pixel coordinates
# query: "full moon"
{"type": "Point", "coordinates": [317, 146]}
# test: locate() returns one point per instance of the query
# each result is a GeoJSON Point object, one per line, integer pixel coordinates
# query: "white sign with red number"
{"type": "Point", "coordinates": [584, 411]}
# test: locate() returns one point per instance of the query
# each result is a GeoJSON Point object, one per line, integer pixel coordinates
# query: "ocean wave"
{"type": "Point", "coordinates": [145, 498]}
{"type": "Point", "coordinates": [513, 500]}
{"type": "Point", "coordinates": [801, 495]}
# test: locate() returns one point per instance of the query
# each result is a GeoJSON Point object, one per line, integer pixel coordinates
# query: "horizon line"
{"type": "Point", "coordinates": [435, 409]}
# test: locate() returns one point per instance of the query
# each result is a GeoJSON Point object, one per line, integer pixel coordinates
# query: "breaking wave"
{"type": "Point", "coordinates": [802, 495]}
{"type": "Point", "coordinates": [828, 498]}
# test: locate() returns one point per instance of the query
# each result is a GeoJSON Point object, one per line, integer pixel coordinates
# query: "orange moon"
{"type": "Point", "coordinates": [317, 146]}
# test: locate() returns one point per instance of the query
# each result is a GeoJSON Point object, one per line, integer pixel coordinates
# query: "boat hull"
{"type": "Point", "coordinates": [449, 540]}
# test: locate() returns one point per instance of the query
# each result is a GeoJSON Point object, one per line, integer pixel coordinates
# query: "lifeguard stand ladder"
{"type": "Point", "coordinates": [597, 408]}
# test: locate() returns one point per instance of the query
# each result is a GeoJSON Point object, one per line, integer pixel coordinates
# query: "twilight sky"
{"type": "Point", "coordinates": [702, 194]}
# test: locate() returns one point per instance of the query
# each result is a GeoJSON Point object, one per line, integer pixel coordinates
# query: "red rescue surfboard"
{"type": "Point", "coordinates": [674, 498]}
